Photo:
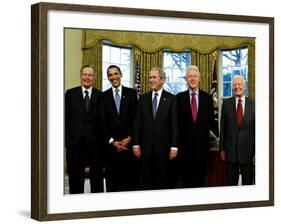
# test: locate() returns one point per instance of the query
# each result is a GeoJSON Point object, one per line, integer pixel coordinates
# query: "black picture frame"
{"type": "Point", "coordinates": [39, 109]}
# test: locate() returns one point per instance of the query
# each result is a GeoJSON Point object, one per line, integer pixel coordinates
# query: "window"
{"type": "Point", "coordinates": [234, 62]}
{"type": "Point", "coordinates": [175, 65]}
{"type": "Point", "coordinates": [120, 56]}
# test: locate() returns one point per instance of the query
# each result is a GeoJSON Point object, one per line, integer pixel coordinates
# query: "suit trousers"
{"type": "Point", "coordinates": [194, 171]}
{"type": "Point", "coordinates": [76, 173]}
{"type": "Point", "coordinates": [154, 174]}
{"type": "Point", "coordinates": [121, 172]}
{"type": "Point", "coordinates": [232, 173]}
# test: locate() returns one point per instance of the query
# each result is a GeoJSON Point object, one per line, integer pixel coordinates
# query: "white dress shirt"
{"type": "Point", "coordinates": [243, 98]}
{"type": "Point", "coordinates": [158, 97]}
{"type": "Point", "coordinates": [120, 94]}
{"type": "Point", "coordinates": [196, 97]}
{"type": "Point", "coordinates": [89, 92]}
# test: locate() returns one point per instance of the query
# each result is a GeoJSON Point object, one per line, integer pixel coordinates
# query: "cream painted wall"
{"type": "Point", "coordinates": [73, 57]}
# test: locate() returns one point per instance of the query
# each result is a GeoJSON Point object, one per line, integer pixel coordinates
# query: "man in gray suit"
{"type": "Point", "coordinates": [237, 135]}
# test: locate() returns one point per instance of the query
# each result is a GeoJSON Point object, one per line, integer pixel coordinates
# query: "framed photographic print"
{"type": "Point", "coordinates": [65, 37]}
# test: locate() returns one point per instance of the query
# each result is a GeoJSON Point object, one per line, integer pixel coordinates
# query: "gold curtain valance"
{"type": "Point", "coordinates": [153, 42]}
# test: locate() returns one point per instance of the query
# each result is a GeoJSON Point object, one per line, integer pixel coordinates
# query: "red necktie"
{"type": "Point", "coordinates": [239, 112]}
{"type": "Point", "coordinates": [193, 107]}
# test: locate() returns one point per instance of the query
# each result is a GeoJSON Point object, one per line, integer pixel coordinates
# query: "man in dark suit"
{"type": "Point", "coordinates": [156, 132]}
{"type": "Point", "coordinates": [83, 153]}
{"type": "Point", "coordinates": [196, 114]}
{"type": "Point", "coordinates": [237, 135]}
{"type": "Point", "coordinates": [118, 107]}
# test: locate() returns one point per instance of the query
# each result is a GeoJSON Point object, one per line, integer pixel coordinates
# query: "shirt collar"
{"type": "Point", "coordinates": [89, 90]}
{"type": "Point", "coordinates": [196, 91]}
{"type": "Point", "coordinates": [159, 92]}
{"type": "Point", "coordinates": [242, 98]}
{"type": "Point", "coordinates": [119, 88]}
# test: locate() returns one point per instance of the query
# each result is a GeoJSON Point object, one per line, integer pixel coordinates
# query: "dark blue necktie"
{"type": "Point", "coordinates": [87, 102]}
{"type": "Point", "coordinates": [117, 100]}
{"type": "Point", "coordinates": [154, 104]}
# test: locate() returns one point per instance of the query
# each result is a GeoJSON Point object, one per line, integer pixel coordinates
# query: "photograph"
{"type": "Point", "coordinates": [144, 111]}
{"type": "Point", "coordinates": [125, 59]}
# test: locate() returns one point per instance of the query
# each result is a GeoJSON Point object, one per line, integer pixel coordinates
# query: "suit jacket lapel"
{"type": "Point", "coordinates": [93, 99]}
{"type": "Point", "coordinates": [187, 103]}
{"type": "Point", "coordinates": [188, 106]}
{"type": "Point", "coordinates": [200, 105]}
{"type": "Point", "coordinates": [123, 99]}
{"type": "Point", "coordinates": [149, 104]}
{"type": "Point", "coordinates": [233, 108]}
{"type": "Point", "coordinates": [111, 101]}
{"type": "Point", "coordinates": [79, 96]}
{"type": "Point", "coordinates": [246, 111]}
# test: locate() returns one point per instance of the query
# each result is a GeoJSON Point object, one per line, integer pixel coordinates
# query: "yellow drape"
{"type": "Point", "coordinates": [251, 71]}
{"type": "Point", "coordinates": [93, 56]}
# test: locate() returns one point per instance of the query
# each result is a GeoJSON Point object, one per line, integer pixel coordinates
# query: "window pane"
{"type": "Point", "coordinates": [125, 56]}
{"type": "Point", "coordinates": [244, 59]}
{"type": "Point", "coordinates": [105, 84]}
{"type": "Point", "coordinates": [227, 77]}
{"type": "Point", "coordinates": [168, 61]}
{"type": "Point", "coordinates": [247, 89]}
{"type": "Point", "coordinates": [105, 54]}
{"type": "Point", "coordinates": [227, 89]}
{"type": "Point", "coordinates": [117, 56]}
{"type": "Point", "coordinates": [175, 65]}
{"type": "Point", "coordinates": [126, 83]}
{"type": "Point", "coordinates": [126, 72]}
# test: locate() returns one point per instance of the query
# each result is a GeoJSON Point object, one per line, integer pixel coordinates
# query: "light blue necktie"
{"type": "Point", "coordinates": [117, 100]}
{"type": "Point", "coordinates": [154, 104]}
